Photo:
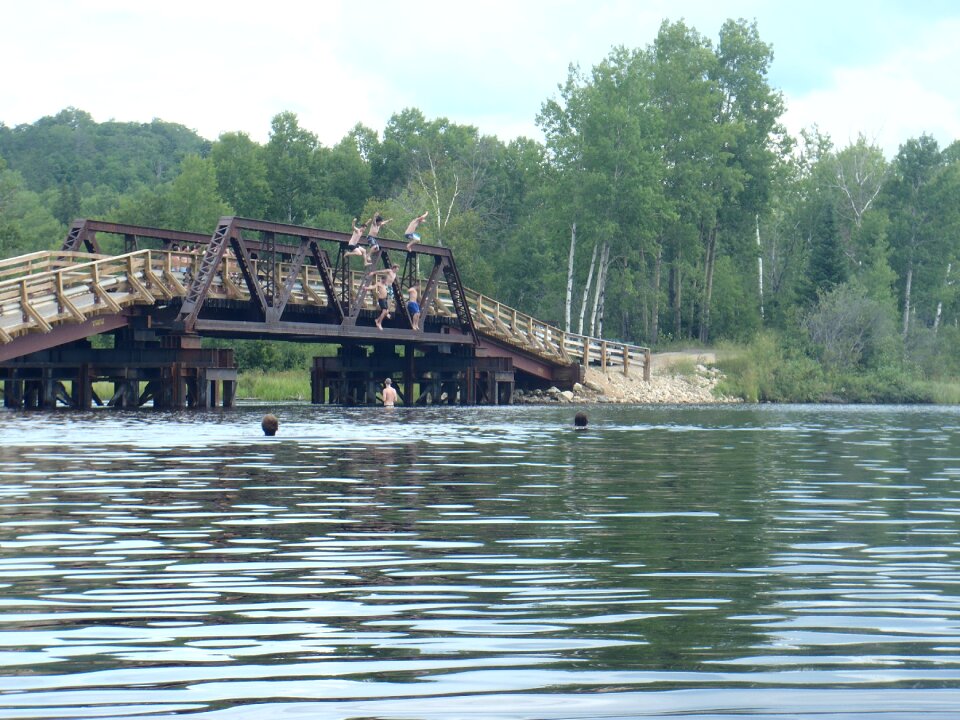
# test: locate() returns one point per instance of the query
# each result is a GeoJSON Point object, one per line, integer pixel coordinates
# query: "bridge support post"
{"type": "Point", "coordinates": [197, 389]}
{"type": "Point", "coordinates": [126, 394]}
{"type": "Point", "coordinates": [176, 382]}
{"type": "Point", "coordinates": [31, 394]}
{"type": "Point", "coordinates": [229, 393]}
{"type": "Point", "coordinates": [213, 390]}
{"type": "Point", "coordinates": [318, 383]}
{"type": "Point", "coordinates": [13, 394]}
{"type": "Point", "coordinates": [82, 394]}
{"type": "Point", "coordinates": [48, 391]}
{"type": "Point", "coordinates": [409, 370]}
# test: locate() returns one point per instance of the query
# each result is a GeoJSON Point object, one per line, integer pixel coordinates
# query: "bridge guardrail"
{"type": "Point", "coordinates": [44, 288]}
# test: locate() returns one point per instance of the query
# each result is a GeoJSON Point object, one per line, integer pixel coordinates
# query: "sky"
{"type": "Point", "coordinates": [886, 69]}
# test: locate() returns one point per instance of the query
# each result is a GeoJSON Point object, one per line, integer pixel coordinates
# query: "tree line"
{"type": "Point", "coordinates": [666, 203]}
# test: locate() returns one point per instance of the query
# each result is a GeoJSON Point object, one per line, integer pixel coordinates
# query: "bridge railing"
{"type": "Point", "coordinates": [42, 261]}
{"type": "Point", "coordinates": [490, 316]}
{"type": "Point", "coordinates": [526, 332]}
{"type": "Point", "coordinates": [42, 289]}
{"type": "Point", "coordinates": [61, 288]}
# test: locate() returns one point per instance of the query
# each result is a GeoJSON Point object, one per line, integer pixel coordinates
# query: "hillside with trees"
{"type": "Point", "coordinates": [666, 205]}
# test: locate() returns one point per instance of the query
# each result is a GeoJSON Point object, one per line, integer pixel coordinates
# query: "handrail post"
{"type": "Point", "coordinates": [626, 359]}
{"type": "Point", "coordinates": [647, 361]}
{"type": "Point", "coordinates": [603, 355]}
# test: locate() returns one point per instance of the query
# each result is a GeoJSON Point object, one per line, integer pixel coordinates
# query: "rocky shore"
{"type": "Point", "coordinates": [667, 385]}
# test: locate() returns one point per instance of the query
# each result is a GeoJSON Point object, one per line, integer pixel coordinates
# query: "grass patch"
{"type": "Point", "coordinates": [942, 392]}
{"type": "Point", "coordinates": [103, 389]}
{"type": "Point", "coordinates": [682, 367]}
{"type": "Point", "coordinates": [275, 385]}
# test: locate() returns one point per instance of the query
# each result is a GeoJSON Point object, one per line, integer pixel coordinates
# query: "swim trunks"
{"type": "Point", "coordinates": [382, 302]}
{"type": "Point", "coordinates": [413, 307]}
{"type": "Point", "coordinates": [413, 237]}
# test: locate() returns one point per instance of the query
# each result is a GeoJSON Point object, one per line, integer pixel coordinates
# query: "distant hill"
{"type": "Point", "coordinates": [70, 149]}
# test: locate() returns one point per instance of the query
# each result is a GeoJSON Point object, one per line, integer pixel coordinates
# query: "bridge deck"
{"type": "Point", "coordinates": [47, 298]}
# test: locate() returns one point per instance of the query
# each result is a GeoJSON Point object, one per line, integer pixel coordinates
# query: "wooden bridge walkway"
{"type": "Point", "coordinates": [243, 282]}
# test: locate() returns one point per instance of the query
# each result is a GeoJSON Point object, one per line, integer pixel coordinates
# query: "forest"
{"type": "Point", "coordinates": [666, 205]}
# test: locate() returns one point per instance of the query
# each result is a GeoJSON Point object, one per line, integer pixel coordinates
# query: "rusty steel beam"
{"type": "Point", "coordinates": [317, 234]}
{"type": "Point", "coordinates": [197, 292]}
{"type": "Point", "coordinates": [525, 362]}
{"type": "Point", "coordinates": [84, 231]}
{"type": "Point", "coordinates": [321, 331]}
{"type": "Point", "coordinates": [328, 276]}
{"type": "Point", "coordinates": [61, 335]}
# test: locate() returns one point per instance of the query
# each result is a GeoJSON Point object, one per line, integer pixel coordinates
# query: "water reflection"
{"type": "Point", "coordinates": [482, 563]}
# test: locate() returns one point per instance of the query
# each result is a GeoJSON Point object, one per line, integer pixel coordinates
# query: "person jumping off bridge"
{"type": "Point", "coordinates": [413, 308]}
{"type": "Point", "coordinates": [389, 275]}
{"type": "Point", "coordinates": [411, 233]}
{"type": "Point", "coordinates": [355, 249]}
{"type": "Point", "coordinates": [374, 225]}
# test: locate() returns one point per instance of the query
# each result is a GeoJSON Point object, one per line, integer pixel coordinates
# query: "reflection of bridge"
{"type": "Point", "coordinates": [255, 279]}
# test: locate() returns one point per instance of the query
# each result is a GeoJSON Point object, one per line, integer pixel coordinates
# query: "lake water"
{"type": "Point", "coordinates": [481, 563]}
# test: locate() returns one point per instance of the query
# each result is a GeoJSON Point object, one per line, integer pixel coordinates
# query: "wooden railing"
{"type": "Point", "coordinates": [42, 289]}
{"type": "Point", "coordinates": [62, 288]}
{"type": "Point", "coordinates": [526, 332]}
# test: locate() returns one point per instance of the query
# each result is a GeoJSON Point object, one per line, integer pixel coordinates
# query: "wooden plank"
{"type": "Point", "coordinates": [138, 286]}
{"type": "Point", "coordinates": [153, 280]}
{"type": "Point", "coordinates": [65, 302]}
{"type": "Point", "coordinates": [27, 307]}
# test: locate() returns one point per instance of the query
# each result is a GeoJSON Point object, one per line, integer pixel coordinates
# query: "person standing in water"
{"type": "Point", "coordinates": [389, 393]}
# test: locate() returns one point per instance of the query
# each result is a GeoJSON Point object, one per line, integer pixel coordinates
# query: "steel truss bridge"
{"type": "Point", "coordinates": [273, 281]}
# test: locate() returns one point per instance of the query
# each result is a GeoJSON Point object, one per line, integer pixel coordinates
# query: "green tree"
{"type": "Point", "coordinates": [913, 200]}
{"type": "Point", "coordinates": [26, 225]}
{"type": "Point", "coordinates": [292, 170]}
{"type": "Point", "coordinates": [192, 201]}
{"type": "Point", "coordinates": [347, 176]}
{"type": "Point", "coordinates": [827, 267]}
{"type": "Point", "coordinates": [189, 202]}
{"type": "Point", "coordinates": [241, 174]}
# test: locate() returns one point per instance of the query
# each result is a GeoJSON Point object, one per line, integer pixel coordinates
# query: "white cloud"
{"type": "Point", "coordinates": [218, 66]}
{"type": "Point", "coordinates": [914, 91]}
{"type": "Point", "coordinates": [213, 67]}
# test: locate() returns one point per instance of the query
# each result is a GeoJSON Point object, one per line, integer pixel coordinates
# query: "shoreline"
{"type": "Point", "coordinates": [676, 379]}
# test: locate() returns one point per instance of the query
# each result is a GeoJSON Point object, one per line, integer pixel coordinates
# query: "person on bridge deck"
{"type": "Point", "coordinates": [389, 393]}
{"type": "Point", "coordinates": [389, 275]}
{"type": "Point", "coordinates": [413, 308]}
{"type": "Point", "coordinates": [374, 225]}
{"type": "Point", "coordinates": [355, 238]}
{"type": "Point", "coordinates": [411, 233]}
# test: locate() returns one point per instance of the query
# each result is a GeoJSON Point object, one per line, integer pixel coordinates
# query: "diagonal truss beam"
{"type": "Point", "coordinates": [196, 293]}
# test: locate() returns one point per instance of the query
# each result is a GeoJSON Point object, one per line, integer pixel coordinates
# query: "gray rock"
{"type": "Point", "coordinates": [567, 396]}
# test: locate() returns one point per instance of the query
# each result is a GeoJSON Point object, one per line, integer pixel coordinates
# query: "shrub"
{"type": "Point", "coordinates": [848, 330]}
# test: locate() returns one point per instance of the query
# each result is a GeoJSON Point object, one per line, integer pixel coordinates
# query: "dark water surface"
{"type": "Point", "coordinates": [481, 563]}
